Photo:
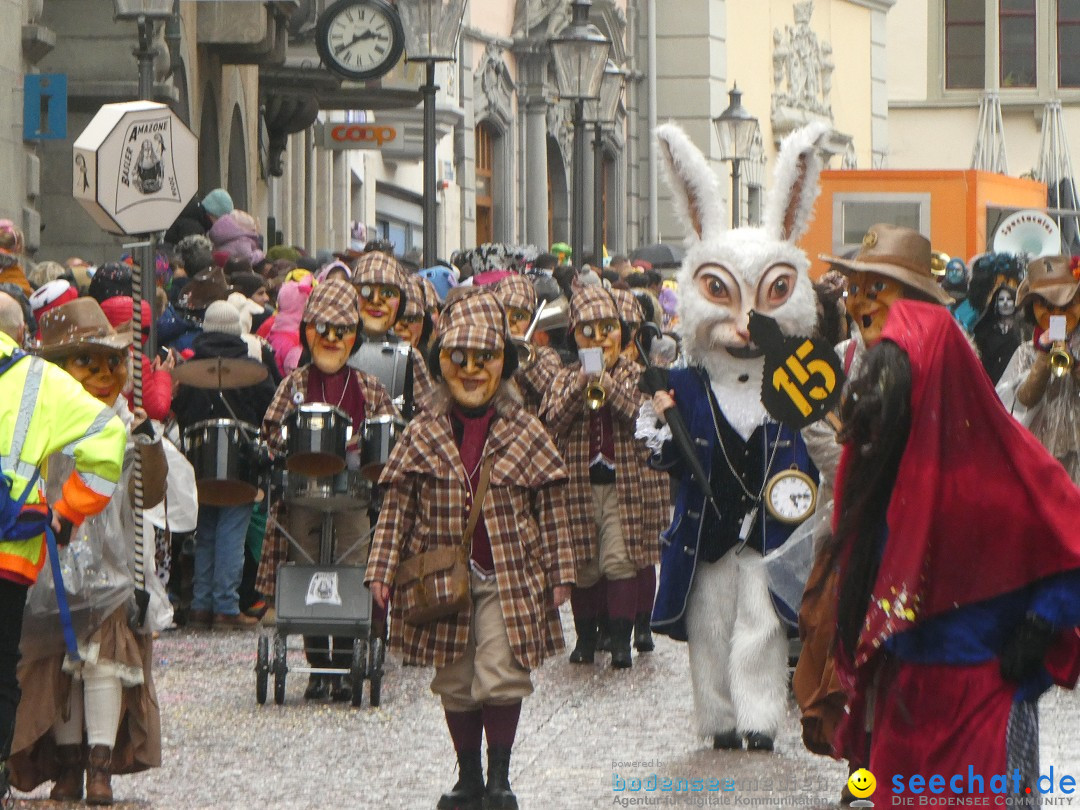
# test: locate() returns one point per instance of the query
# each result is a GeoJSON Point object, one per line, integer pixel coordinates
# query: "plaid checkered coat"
{"type": "Point", "coordinates": [275, 546]}
{"type": "Point", "coordinates": [535, 381]}
{"type": "Point", "coordinates": [566, 417]}
{"type": "Point", "coordinates": [425, 505]}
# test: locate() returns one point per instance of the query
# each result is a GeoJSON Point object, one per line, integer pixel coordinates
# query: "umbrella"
{"type": "Point", "coordinates": [659, 255]}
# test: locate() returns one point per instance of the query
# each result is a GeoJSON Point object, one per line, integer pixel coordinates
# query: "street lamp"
{"type": "Point", "coordinates": [432, 28]}
{"type": "Point", "coordinates": [580, 53]}
{"type": "Point", "coordinates": [603, 110]}
{"type": "Point", "coordinates": [736, 129]}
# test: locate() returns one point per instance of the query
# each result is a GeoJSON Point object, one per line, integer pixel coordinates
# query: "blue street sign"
{"type": "Point", "coordinates": [44, 106]}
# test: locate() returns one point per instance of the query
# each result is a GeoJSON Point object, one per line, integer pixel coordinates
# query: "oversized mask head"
{"type": "Point", "coordinates": [102, 372]}
{"type": "Point", "coordinates": [331, 320]}
{"type": "Point", "coordinates": [727, 273]}
{"type": "Point", "coordinates": [472, 349]}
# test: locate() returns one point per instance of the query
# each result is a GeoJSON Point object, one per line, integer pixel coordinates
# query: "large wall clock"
{"type": "Point", "coordinates": [360, 39]}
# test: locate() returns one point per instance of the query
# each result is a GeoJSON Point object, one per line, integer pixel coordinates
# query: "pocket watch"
{"type": "Point", "coordinates": [790, 496]}
{"type": "Point", "coordinates": [360, 39]}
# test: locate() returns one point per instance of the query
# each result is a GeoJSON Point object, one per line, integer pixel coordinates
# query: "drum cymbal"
{"type": "Point", "coordinates": [220, 373]}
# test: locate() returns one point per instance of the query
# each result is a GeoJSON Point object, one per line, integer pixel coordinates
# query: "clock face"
{"type": "Point", "coordinates": [360, 39]}
{"type": "Point", "coordinates": [791, 497]}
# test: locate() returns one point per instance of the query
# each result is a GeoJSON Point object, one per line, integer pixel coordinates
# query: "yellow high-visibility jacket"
{"type": "Point", "coordinates": [43, 410]}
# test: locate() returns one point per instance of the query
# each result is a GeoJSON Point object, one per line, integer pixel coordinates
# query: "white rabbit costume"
{"type": "Point", "coordinates": [708, 595]}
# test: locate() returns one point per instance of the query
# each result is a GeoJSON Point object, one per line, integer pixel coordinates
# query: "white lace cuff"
{"type": "Point", "coordinates": [650, 428]}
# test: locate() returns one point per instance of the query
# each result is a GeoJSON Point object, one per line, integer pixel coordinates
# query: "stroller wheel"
{"type": "Point", "coordinates": [262, 670]}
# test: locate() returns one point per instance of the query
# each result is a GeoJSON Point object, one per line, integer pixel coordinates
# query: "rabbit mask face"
{"type": "Point", "coordinates": [728, 273]}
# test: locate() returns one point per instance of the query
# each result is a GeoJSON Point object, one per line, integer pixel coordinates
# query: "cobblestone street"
{"type": "Point", "coordinates": [583, 727]}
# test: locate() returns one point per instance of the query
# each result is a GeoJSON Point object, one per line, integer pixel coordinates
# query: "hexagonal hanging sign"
{"type": "Point", "coordinates": [135, 167]}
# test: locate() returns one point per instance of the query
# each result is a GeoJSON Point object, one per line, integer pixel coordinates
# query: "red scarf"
{"type": "Point", "coordinates": [979, 508]}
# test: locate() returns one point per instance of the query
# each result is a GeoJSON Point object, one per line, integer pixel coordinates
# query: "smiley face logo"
{"type": "Point", "coordinates": [862, 783]}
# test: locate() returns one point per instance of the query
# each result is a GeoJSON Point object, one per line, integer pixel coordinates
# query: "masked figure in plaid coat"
{"type": "Point", "coordinates": [533, 376]}
{"type": "Point", "coordinates": [710, 593]}
{"type": "Point", "coordinates": [520, 558]}
{"type": "Point", "coordinates": [609, 501]}
{"type": "Point", "coordinates": [657, 482]}
{"type": "Point", "coordinates": [329, 334]}
{"type": "Point", "coordinates": [382, 284]}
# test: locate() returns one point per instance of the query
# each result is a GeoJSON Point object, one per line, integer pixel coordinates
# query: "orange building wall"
{"type": "Point", "coordinates": [958, 203]}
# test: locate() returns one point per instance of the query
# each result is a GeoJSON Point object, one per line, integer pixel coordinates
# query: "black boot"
{"type": "Point", "coordinates": [468, 793]}
{"type": "Point", "coordinates": [756, 741]}
{"type": "Point", "coordinates": [603, 634]}
{"type": "Point", "coordinates": [499, 794]}
{"type": "Point", "coordinates": [643, 633]}
{"type": "Point", "coordinates": [585, 649]}
{"type": "Point", "coordinates": [318, 688]}
{"type": "Point", "coordinates": [621, 630]}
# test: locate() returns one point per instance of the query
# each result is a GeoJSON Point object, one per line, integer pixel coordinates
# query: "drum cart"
{"type": "Point", "coordinates": [321, 598]}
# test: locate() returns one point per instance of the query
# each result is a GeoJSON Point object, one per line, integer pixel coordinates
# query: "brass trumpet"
{"type": "Point", "coordinates": [939, 262]}
{"type": "Point", "coordinates": [595, 395]}
{"type": "Point", "coordinates": [549, 315]}
{"type": "Point", "coordinates": [1061, 359]}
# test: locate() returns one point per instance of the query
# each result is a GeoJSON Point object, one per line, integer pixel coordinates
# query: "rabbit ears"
{"type": "Point", "coordinates": [788, 205]}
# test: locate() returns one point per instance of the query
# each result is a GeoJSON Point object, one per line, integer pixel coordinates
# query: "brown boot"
{"type": "Point", "coordinates": [98, 773]}
{"type": "Point", "coordinates": [69, 782]}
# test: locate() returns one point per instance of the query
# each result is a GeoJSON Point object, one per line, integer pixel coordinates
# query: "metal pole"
{"type": "Point", "coordinates": [145, 256]}
{"type": "Point", "coordinates": [650, 71]}
{"type": "Point", "coordinates": [431, 246]}
{"type": "Point", "coordinates": [598, 194]}
{"type": "Point", "coordinates": [577, 230]}
{"type": "Point", "coordinates": [735, 202]}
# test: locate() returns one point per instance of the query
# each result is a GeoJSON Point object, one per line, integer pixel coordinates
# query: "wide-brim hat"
{"type": "Point", "coordinates": [473, 320]}
{"type": "Point", "coordinates": [203, 290]}
{"type": "Point", "coordinates": [902, 254]}
{"type": "Point", "coordinates": [517, 291]}
{"type": "Point", "coordinates": [1051, 278]}
{"type": "Point", "coordinates": [80, 324]}
{"type": "Point", "coordinates": [591, 303]}
{"type": "Point", "coordinates": [334, 302]}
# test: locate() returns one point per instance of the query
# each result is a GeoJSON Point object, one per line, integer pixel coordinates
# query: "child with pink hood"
{"type": "Point", "coordinates": [284, 335]}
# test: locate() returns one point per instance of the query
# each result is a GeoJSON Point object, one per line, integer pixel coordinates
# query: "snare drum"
{"type": "Point", "coordinates": [316, 435]}
{"type": "Point", "coordinates": [334, 493]}
{"type": "Point", "coordinates": [225, 460]}
{"type": "Point", "coordinates": [380, 435]}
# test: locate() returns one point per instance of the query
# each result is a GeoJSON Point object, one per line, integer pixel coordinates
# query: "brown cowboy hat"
{"type": "Point", "coordinates": [203, 290]}
{"type": "Point", "coordinates": [80, 324]}
{"type": "Point", "coordinates": [896, 252]}
{"type": "Point", "coordinates": [1050, 278]}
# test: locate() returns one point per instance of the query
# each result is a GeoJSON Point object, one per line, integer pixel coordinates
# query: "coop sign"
{"type": "Point", "coordinates": [135, 167]}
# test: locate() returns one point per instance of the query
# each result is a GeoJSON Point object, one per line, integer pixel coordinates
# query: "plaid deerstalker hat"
{"type": "Point", "coordinates": [334, 302]}
{"type": "Point", "coordinates": [378, 268]}
{"type": "Point", "coordinates": [473, 321]}
{"type": "Point", "coordinates": [414, 297]}
{"type": "Point", "coordinates": [517, 291]}
{"type": "Point", "coordinates": [629, 308]}
{"type": "Point", "coordinates": [591, 303]}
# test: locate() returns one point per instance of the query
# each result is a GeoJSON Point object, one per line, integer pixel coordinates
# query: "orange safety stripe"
{"type": "Point", "coordinates": [23, 567]}
{"type": "Point", "coordinates": [79, 501]}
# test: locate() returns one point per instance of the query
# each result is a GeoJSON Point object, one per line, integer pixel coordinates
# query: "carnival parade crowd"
{"type": "Point", "coordinates": [491, 437]}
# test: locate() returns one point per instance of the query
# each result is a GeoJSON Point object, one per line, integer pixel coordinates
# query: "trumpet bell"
{"type": "Point", "coordinates": [1061, 359]}
{"type": "Point", "coordinates": [595, 396]}
{"type": "Point", "coordinates": [939, 263]}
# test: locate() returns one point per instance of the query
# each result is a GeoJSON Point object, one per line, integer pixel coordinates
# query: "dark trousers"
{"type": "Point", "coordinates": [12, 603]}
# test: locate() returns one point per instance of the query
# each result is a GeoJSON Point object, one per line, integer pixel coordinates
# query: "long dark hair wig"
{"type": "Point", "coordinates": [876, 415]}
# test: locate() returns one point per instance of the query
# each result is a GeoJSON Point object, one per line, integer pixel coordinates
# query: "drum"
{"type": "Point", "coordinates": [334, 493]}
{"type": "Point", "coordinates": [225, 458]}
{"type": "Point", "coordinates": [380, 435]}
{"type": "Point", "coordinates": [315, 436]}
{"type": "Point", "coordinates": [388, 363]}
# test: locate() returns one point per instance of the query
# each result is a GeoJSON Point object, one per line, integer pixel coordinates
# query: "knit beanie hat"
{"type": "Point", "coordinates": [51, 295]}
{"type": "Point", "coordinates": [221, 316]}
{"type": "Point", "coordinates": [110, 279]}
{"type": "Point", "coordinates": [217, 203]}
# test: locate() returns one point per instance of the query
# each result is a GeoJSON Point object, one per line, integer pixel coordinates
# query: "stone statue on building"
{"type": "Point", "coordinates": [540, 18]}
{"type": "Point", "coordinates": [802, 74]}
